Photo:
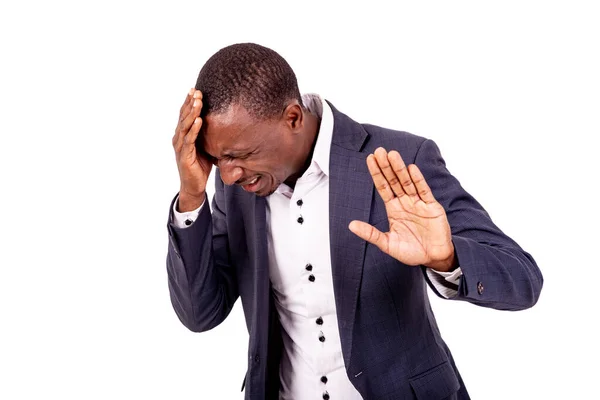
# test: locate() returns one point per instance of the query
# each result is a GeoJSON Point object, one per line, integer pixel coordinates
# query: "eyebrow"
{"type": "Point", "coordinates": [236, 153]}
{"type": "Point", "coordinates": [230, 154]}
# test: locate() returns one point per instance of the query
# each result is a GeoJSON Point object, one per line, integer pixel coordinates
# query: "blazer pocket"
{"type": "Point", "coordinates": [436, 383]}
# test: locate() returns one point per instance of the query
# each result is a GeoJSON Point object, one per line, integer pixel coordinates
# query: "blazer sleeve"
{"type": "Point", "coordinates": [496, 271]}
{"type": "Point", "coordinates": [202, 279]}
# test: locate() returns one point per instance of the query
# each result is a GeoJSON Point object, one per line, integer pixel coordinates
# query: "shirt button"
{"type": "Point", "coordinates": [319, 321]}
{"type": "Point", "coordinates": [188, 222]}
{"type": "Point", "coordinates": [321, 338]}
{"type": "Point", "coordinates": [311, 278]}
{"type": "Point", "coordinates": [308, 267]}
{"type": "Point", "coordinates": [257, 358]}
{"type": "Point", "coordinates": [325, 396]}
{"type": "Point", "coordinates": [479, 287]}
{"type": "Point", "coordinates": [324, 379]}
{"type": "Point", "coordinates": [300, 220]}
{"type": "Point", "coordinates": [300, 202]}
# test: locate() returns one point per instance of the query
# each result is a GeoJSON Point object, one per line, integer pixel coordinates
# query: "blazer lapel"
{"type": "Point", "coordinates": [350, 195]}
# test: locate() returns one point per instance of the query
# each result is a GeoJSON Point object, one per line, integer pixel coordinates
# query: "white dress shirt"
{"type": "Point", "coordinates": [300, 271]}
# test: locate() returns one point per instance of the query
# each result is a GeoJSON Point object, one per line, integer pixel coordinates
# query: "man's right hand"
{"type": "Point", "coordinates": [193, 167]}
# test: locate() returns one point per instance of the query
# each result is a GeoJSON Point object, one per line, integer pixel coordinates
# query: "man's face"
{"type": "Point", "coordinates": [256, 154]}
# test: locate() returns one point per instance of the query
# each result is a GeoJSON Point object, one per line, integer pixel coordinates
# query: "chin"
{"type": "Point", "coordinates": [267, 191]}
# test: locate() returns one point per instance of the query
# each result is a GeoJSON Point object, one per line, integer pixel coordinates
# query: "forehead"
{"type": "Point", "coordinates": [226, 129]}
{"type": "Point", "coordinates": [233, 129]}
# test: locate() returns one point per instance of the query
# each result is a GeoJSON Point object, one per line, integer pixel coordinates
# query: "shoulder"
{"type": "Point", "coordinates": [406, 143]}
{"type": "Point", "coordinates": [351, 134]}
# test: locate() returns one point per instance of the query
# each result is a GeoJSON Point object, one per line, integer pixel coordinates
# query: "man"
{"type": "Point", "coordinates": [329, 231]}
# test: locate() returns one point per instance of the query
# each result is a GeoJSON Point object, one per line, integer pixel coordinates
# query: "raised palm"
{"type": "Point", "coordinates": [419, 231]}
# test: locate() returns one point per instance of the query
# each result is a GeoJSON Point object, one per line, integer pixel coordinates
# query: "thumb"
{"type": "Point", "coordinates": [369, 233]}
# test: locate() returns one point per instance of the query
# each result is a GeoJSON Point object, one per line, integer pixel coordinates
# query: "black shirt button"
{"type": "Point", "coordinates": [319, 321]}
{"type": "Point", "coordinates": [188, 222]}
{"type": "Point", "coordinates": [321, 338]}
{"type": "Point", "coordinates": [324, 379]}
{"type": "Point", "coordinates": [300, 202]}
{"type": "Point", "coordinates": [257, 358]}
{"type": "Point", "coordinates": [325, 396]}
{"type": "Point", "coordinates": [311, 278]}
{"type": "Point", "coordinates": [300, 220]}
{"type": "Point", "coordinates": [308, 267]}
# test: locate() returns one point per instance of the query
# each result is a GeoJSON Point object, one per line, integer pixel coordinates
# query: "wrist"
{"type": "Point", "coordinates": [188, 202]}
{"type": "Point", "coordinates": [447, 265]}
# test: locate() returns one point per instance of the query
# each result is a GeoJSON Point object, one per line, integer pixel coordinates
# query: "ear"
{"type": "Point", "coordinates": [293, 116]}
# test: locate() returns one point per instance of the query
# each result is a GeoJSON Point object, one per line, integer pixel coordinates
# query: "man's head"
{"type": "Point", "coordinates": [254, 124]}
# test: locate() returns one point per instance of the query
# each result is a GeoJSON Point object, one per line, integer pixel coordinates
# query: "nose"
{"type": "Point", "coordinates": [230, 174]}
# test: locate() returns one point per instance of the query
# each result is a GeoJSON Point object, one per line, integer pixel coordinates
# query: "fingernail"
{"type": "Point", "coordinates": [197, 120]}
{"type": "Point", "coordinates": [197, 94]}
{"type": "Point", "coordinates": [196, 102]}
{"type": "Point", "coordinates": [191, 92]}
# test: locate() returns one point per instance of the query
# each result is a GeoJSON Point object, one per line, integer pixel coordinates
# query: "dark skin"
{"type": "Point", "coordinates": [274, 150]}
{"type": "Point", "coordinates": [260, 154]}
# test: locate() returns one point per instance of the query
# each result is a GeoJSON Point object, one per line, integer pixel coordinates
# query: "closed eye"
{"type": "Point", "coordinates": [209, 158]}
{"type": "Point", "coordinates": [236, 156]}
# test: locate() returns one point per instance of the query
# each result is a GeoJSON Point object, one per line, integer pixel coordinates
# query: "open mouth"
{"type": "Point", "coordinates": [252, 185]}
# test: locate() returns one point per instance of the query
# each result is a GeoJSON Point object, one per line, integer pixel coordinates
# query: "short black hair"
{"type": "Point", "coordinates": [248, 74]}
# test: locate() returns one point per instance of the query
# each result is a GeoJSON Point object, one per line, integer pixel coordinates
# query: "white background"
{"type": "Point", "coordinates": [90, 93]}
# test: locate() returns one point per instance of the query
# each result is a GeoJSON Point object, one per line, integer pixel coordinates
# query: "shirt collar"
{"type": "Point", "coordinates": [316, 105]}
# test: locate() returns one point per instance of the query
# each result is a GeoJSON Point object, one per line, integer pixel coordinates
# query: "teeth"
{"type": "Point", "coordinates": [253, 181]}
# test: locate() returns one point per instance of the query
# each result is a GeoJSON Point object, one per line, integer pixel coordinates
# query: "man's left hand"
{"type": "Point", "coordinates": [419, 230]}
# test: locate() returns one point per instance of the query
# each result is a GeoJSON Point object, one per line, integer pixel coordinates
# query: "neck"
{"type": "Point", "coordinates": [312, 124]}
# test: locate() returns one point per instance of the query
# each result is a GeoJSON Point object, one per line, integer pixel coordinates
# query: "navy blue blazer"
{"type": "Point", "coordinates": [391, 344]}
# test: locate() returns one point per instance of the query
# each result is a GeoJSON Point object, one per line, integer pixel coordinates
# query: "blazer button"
{"type": "Point", "coordinates": [300, 202]}
{"type": "Point", "coordinates": [319, 321]}
{"type": "Point", "coordinates": [321, 338]}
{"type": "Point", "coordinates": [257, 358]}
{"type": "Point", "coordinates": [300, 220]}
{"type": "Point", "coordinates": [479, 287]}
{"type": "Point", "coordinates": [324, 379]}
{"type": "Point", "coordinates": [325, 396]}
{"type": "Point", "coordinates": [308, 267]}
{"type": "Point", "coordinates": [311, 278]}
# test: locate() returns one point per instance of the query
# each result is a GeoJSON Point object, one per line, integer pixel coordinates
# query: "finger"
{"type": "Point", "coordinates": [189, 141]}
{"type": "Point", "coordinates": [402, 172]}
{"type": "Point", "coordinates": [183, 112]}
{"type": "Point", "coordinates": [379, 180]}
{"type": "Point", "coordinates": [370, 234]}
{"type": "Point", "coordinates": [186, 124]}
{"type": "Point", "coordinates": [196, 96]}
{"type": "Point", "coordinates": [382, 160]}
{"type": "Point", "coordinates": [188, 98]}
{"type": "Point", "coordinates": [186, 141]}
{"type": "Point", "coordinates": [422, 187]}
{"type": "Point", "coordinates": [186, 114]}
